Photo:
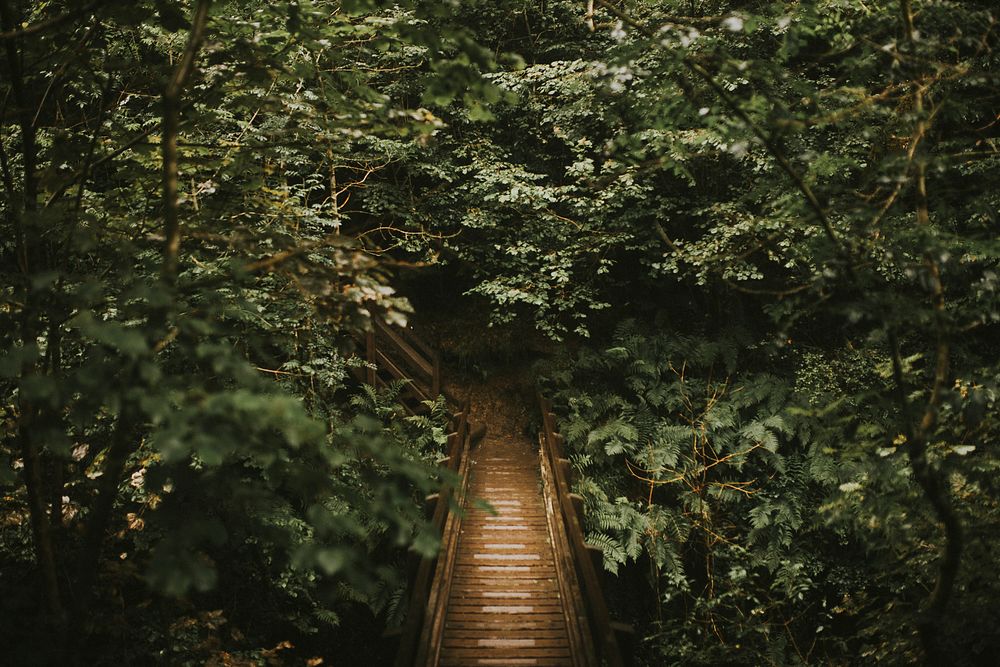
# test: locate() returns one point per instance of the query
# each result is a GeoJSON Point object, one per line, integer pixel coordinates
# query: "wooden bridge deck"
{"type": "Point", "coordinates": [513, 585]}
{"type": "Point", "coordinates": [505, 605]}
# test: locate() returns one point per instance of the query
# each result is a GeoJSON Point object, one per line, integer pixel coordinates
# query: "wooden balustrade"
{"type": "Point", "coordinates": [416, 635]}
{"type": "Point", "coordinates": [399, 354]}
{"type": "Point", "coordinates": [395, 353]}
{"type": "Point", "coordinates": [611, 640]}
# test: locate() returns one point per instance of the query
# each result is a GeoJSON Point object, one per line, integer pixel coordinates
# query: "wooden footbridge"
{"type": "Point", "coordinates": [514, 583]}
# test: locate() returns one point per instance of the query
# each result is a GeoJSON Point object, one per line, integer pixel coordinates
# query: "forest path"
{"type": "Point", "coordinates": [504, 606]}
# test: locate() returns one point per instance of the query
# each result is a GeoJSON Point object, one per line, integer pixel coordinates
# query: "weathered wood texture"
{"type": "Point", "coordinates": [399, 354]}
{"type": "Point", "coordinates": [515, 583]}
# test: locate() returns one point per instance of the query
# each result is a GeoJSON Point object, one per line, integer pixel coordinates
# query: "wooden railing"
{"type": "Point", "coordinates": [399, 354]}
{"type": "Point", "coordinates": [424, 614]}
{"type": "Point", "coordinates": [612, 641]}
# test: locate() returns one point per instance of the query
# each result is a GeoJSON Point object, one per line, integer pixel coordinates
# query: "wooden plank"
{"type": "Point", "coordinates": [506, 662]}
{"type": "Point", "coordinates": [499, 641]}
{"type": "Point", "coordinates": [509, 625]}
{"type": "Point", "coordinates": [414, 389]}
{"type": "Point", "coordinates": [507, 653]}
{"type": "Point", "coordinates": [573, 607]}
{"type": "Point", "coordinates": [420, 343]}
{"type": "Point", "coordinates": [538, 634]}
{"type": "Point", "coordinates": [494, 583]}
{"type": "Point", "coordinates": [432, 634]}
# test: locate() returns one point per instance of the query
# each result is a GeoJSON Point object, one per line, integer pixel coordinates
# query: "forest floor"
{"type": "Point", "coordinates": [490, 367]}
{"type": "Point", "coordinates": [504, 402]}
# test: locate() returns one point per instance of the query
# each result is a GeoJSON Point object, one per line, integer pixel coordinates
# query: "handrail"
{"type": "Point", "coordinates": [397, 353]}
{"type": "Point", "coordinates": [586, 558]}
{"type": "Point", "coordinates": [414, 389]}
{"type": "Point", "coordinates": [416, 359]}
{"type": "Point", "coordinates": [416, 635]}
{"type": "Point", "coordinates": [399, 337]}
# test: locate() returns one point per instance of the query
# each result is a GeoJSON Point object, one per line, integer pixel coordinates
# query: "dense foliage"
{"type": "Point", "coordinates": [766, 229]}
{"type": "Point", "coordinates": [178, 310]}
{"type": "Point", "coordinates": [821, 175]}
{"type": "Point", "coordinates": [767, 503]}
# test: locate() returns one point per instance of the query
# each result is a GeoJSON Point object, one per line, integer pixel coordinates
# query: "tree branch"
{"type": "Point", "coordinates": [934, 482]}
{"type": "Point", "coordinates": [779, 156]}
{"type": "Point", "coordinates": [918, 431]}
{"type": "Point", "coordinates": [87, 168]}
{"type": "Point", "coordinates": [30, 328]}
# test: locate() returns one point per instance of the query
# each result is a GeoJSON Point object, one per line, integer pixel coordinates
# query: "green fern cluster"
{"type": "Point", "coordinates": [766, 498]}
{"type": "Point", "coordinates": [708, 479]}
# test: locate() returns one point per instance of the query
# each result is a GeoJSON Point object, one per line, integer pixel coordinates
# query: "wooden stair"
{"type": "Point", "coordinates": [395, 353]}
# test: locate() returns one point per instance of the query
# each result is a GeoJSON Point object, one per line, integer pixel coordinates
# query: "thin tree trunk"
{"type": "Point", "coordinates": [27, 202]}
{"type": "Point", "coordinates": [40, 529]}
{"type": "Point", "coordinates": [171, 127]}
{"type": "Point", "coordinates": [88, 562]}
{"type": "Point", "coordinates": [125, 436]}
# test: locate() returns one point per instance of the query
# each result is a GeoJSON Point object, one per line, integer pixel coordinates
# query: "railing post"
{"type": "Point", "coordinates": [625, 635]}
{"type": "Point", "coordinates": [558, 445]}
{"type": "Point", "coordinates": [430, 502]}
{"type": "Point", "coordinates": [596, 554]}
{"type": "Point", "coordinates": [454, 448]}
{"type": "Point", "coordinates": [550, 424]}
{"type": "Point", "coordinates": [565, 472]}
{"type": "Point", "coordinates": [577, 501]}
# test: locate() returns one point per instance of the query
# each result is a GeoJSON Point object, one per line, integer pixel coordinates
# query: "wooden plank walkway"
{"type": "Point", "coordinates": [505, 605]}
{"type": "Point", "coordinates": [515, 585]}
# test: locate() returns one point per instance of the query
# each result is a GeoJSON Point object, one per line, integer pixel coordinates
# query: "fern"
{"type": "Point", "coordinates": [679, 459]}
{"type": "Point", "coordinates": [613, 552]}
{"type": "Point", "coordinates": [327, 616]}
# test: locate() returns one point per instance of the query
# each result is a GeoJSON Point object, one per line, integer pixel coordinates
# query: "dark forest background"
{"type": "Point", "coordinates": [749, 246]}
